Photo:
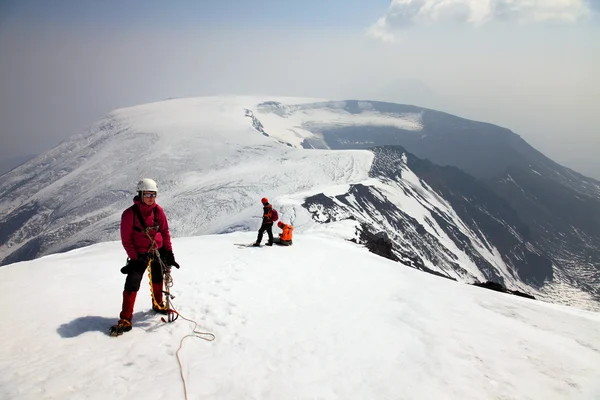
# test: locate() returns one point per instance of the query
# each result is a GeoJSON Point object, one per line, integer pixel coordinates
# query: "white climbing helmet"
{"type": "Point", "coordinates": [148, 185]}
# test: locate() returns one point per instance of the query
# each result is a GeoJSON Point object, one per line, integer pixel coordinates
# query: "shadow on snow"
{"type": "Point", "coordinates": [91, 323]}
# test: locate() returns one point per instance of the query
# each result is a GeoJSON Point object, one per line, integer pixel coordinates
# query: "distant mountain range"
{"type": "Point", "coordinates": [555, 208]}
{"type": "Point", "coordinates": [462, 199]}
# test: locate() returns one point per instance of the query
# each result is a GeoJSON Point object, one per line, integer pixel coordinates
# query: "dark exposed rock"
{"type": "Point", "coordinates": [379, 243]}
{"type": "Point", "coordinates": [499, 288]}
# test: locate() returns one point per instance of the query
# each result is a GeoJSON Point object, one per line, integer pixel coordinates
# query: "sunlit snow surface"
{"type": "Point", "coordinates": [323, 319]}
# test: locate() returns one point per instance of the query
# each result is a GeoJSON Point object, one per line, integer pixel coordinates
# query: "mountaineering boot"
{"type": "Point", "coordinates": [269, 244]}
{"type": "Point", "coordinates": [162, 309]}
{"type": "Point", "coordinates": [257, 244]}
{"type": "Point", "coordinates": [122, 326]}
{"type": "Point", "coordinates": [128, 303]}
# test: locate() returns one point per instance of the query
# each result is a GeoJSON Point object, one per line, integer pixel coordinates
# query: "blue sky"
{"type": "Point", "coordinates": [530, 66]}
{"type": "Point", "coordinates": [182, 14]}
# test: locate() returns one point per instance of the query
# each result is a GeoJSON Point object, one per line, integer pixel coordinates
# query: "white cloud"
{"type": "Point", "coordinates": [403, 13]}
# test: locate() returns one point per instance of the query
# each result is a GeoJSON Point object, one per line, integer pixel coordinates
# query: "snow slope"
{"type": "Point", "coordinates": [323, 319]}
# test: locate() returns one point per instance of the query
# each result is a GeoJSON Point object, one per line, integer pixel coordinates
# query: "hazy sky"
{"type": "Point", "coordinates": [528, 65]}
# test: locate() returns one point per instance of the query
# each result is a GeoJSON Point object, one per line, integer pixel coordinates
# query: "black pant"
{"type": "Point", "coordinates": [134, 278]}
{"type": "Point", "coordinates": [265, 227]}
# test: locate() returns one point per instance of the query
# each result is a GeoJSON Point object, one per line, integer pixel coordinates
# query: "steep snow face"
{"type": "Point", "coordinates": [211, 164]}
{"type": "Point", "coordinates": [321, 319]}
{"type": "Point", "coordinates": [427, 232]}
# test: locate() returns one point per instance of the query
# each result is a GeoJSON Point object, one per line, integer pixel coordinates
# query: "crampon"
{"type": "Point", "coordinates": [121, 327]}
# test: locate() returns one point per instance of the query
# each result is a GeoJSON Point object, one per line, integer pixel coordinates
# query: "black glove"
{"type": "Point", "coordinates": [138, 265]}
{"type": "Point", "coordinates": [170, 259]}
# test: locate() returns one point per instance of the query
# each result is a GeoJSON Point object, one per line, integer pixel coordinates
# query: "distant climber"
{"type": "Point", "coordinates": [285, 237]}
{"type": "Point", "coordinates": [267, 223]}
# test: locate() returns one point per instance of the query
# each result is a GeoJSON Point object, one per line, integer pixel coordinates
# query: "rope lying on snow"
{"type": "Point", "coordinates": [168, 282]}
{"type": "Point", "coordinates": [209, 337]}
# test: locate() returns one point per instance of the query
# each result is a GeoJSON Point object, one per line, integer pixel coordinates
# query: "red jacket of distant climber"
{"type": "Point", "coordinates": [267, 214]}
{"type": "Point", "coordinates": [135, 241]}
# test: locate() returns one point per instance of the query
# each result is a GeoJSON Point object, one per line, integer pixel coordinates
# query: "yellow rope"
{"type": "Point", "coordinates": [152, 252]}
{"type": "Point", "coordinates": [163, 306]}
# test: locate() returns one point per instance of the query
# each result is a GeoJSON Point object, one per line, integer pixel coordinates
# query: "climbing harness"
{"type": "Point", "coordinates": [137, 213]}
{"type": "Point", "coordinates": [153, 254]}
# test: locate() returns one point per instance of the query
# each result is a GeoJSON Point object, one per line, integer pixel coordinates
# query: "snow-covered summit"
{"type": "Point", "coordinates": [320, 319]}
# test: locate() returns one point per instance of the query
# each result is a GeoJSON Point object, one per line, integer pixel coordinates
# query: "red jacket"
{"type": "Point", "coordinates": [135, 241]}
{"type": "Point", "coordinates": [267, 214]}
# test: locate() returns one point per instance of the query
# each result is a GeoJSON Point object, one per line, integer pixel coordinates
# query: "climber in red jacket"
{"type": "Point", "coordinates": [145, 237]}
